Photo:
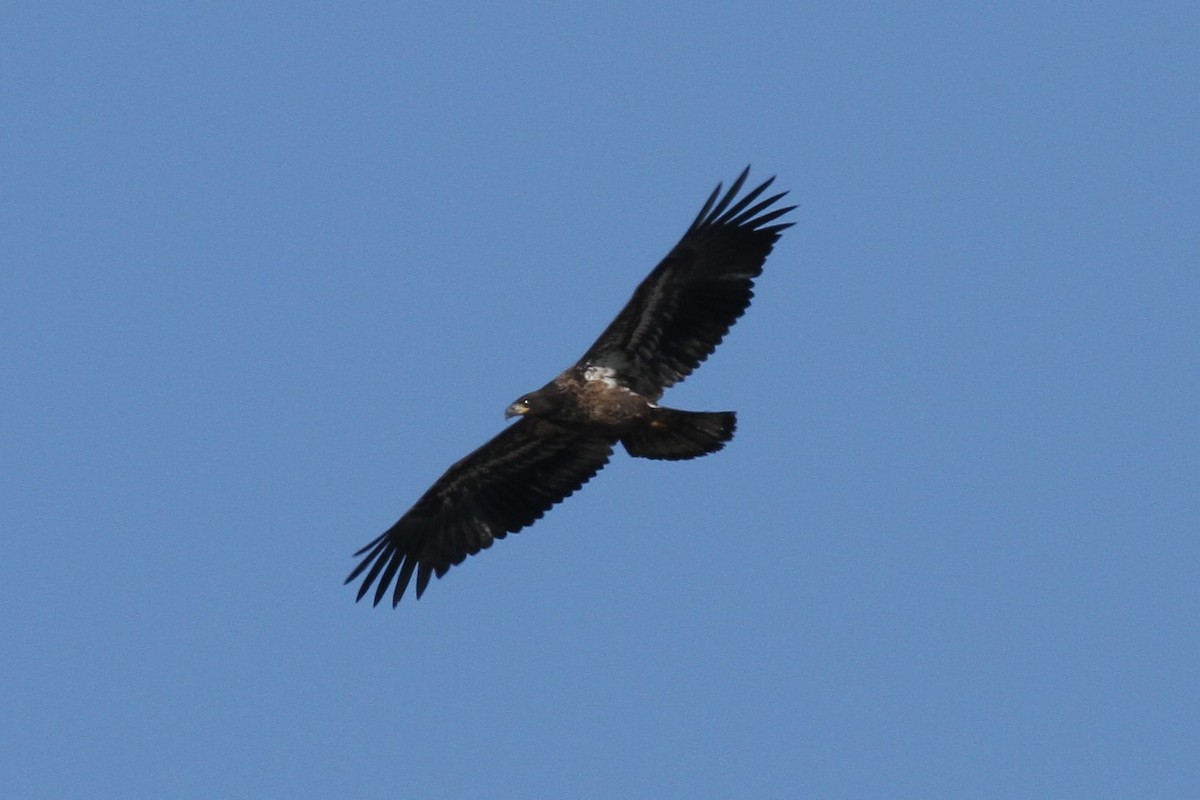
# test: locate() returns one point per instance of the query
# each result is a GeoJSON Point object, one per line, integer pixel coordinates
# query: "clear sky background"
{"type": "Point", "coordinates": [269, 268]}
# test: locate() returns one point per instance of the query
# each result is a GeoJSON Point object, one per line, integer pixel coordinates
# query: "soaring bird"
{"type": "Point", "coordinates": [567, 429]}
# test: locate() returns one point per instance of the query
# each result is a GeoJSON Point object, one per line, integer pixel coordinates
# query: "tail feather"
{"type": "Point", "coordinates": [676, 435]}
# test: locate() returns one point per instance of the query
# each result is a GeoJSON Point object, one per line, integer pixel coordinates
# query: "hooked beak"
{"type": "Point", "coordinates": [515, 410]}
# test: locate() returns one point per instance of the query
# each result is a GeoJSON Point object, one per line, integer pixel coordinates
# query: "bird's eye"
{"type": "Point", "coordinates": [525, 402]}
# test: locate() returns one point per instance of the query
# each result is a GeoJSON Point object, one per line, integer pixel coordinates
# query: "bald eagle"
{"type": "Point", "coordinates": [568, 428]}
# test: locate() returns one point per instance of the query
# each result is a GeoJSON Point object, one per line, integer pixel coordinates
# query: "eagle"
{"type": "Point", "coordinates": [567, 430]}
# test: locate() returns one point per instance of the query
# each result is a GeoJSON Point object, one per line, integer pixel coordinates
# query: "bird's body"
{"type": "Point", "coordinates": [586, 396]}
{"type": "Point", "coordinates": [568, 429]}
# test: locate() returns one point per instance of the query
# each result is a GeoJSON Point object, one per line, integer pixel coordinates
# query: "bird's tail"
{"type": "Point", "coordinates": [676, 435]}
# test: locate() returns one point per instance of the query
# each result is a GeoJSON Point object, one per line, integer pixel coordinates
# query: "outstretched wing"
{"type": "Point", "coordinates": [685, 306]}
{"type": "Point", "coordinates": [500, 488]}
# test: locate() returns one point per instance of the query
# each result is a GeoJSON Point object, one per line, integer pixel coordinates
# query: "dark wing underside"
{"type": "Point", "coordinates": [685, 306]}
{"type": "Point", "coordinates": [500, 488]}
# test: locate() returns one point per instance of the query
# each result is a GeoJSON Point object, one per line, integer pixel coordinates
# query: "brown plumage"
{"type": "Point", "coordinates": [569, 427]}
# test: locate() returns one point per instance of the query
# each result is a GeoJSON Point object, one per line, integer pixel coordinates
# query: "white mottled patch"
{"type": "Point", "coordinates": [606, 375]}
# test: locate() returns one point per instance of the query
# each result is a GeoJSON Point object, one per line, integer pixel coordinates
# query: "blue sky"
{"type": "Point", "coordinates": [268, 272]}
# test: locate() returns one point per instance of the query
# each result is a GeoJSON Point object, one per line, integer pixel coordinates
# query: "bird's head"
{"type": "Point", "coordinates": [532, 404]}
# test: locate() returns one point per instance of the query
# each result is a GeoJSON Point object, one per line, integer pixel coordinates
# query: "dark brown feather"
{"type": "Point", "coordinates": [683, 309]}
{"type": "Point", "coordinates": [500, 488]}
